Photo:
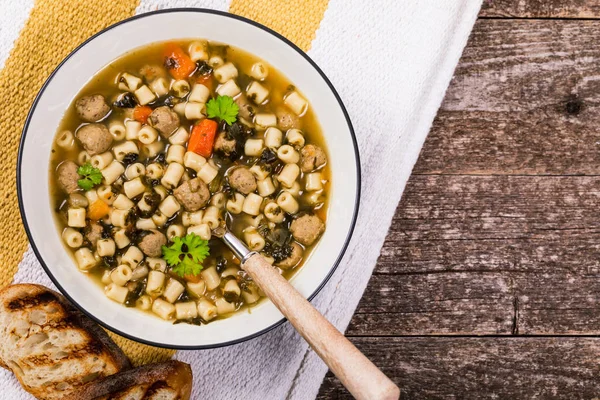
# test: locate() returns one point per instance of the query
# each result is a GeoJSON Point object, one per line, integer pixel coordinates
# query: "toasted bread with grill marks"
{"type": "Point", "coordinates": [52, 348]}
{"type": "Point", "coordinates": [170, 380]}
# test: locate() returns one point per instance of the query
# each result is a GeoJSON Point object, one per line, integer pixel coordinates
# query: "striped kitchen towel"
{"type": "Point", "coordinates": [391, 62]}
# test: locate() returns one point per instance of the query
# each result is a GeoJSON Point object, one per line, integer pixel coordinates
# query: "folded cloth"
{"type": "Point", "coordinates": [391, 62]}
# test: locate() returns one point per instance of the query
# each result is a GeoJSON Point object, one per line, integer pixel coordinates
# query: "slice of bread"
{"type": "Point", "coordinates": [52, 348]}
{"type": "Point", "coordinates": [170, 380]}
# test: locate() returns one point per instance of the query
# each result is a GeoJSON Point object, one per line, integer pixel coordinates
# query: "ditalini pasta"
{"type": "Point", "coordinates": [164, 147]}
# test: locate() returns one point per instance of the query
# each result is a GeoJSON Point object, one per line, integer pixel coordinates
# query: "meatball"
{"type": "Point", "coordinates": [165, 120]}
{"type": "Point", "coordinates": [224, 145]}
{"type": "Point", "coordinates": [192, 194]}
{"type": "Point", "coordinates": [92, 108]}
{"type": "Point", "coordinates": [242, 180]}
{"type": "Point", "coordinates": [152, 71]}
{"type": "Point", "coordinates": [286, 119]}
{"type": "Point", "coordinates": [307, 229]}
{"type": "Point", "coordinates": [93, 233]}
{"type": "Point", "coordinates": [95, 138]}
{"type": "Point", "coordinates": [246, 110]}
{"type": "Point", "coordinates": [311, 158]}
{"type": "Point", "coordinates": [68, 176]}
{"type": "Point", "coordinates": [152, 243]}
{"type": "Point", "coordinates": [293, 259]}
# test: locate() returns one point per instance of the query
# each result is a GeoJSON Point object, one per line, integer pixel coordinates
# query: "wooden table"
{"type": "Point", "coordinates": [488, 284]}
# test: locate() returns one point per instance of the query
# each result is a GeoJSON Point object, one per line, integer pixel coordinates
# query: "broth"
{"type": "Point", "coordinates": [238, 170]}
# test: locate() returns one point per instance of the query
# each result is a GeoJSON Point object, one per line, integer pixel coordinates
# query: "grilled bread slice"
{"type": "Point", "coordinates": [170, 380]}
{"type": "Point", "coordinates": [52, 348]}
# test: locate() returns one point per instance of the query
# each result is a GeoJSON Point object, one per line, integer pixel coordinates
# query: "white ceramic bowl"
{"type": "Point", "coordinates": [77, 69]}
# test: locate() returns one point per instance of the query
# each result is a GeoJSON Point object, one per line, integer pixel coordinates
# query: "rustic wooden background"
{"type": "Point", "coordinates": [488, 285]}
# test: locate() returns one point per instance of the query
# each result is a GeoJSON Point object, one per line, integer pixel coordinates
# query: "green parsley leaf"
{"type": "Point", "coordinates": [90, 176]}
{"type": "Point", "coordinates": [187, 267]}
{"type": "Point", "coordinates": [186, 254]}
{"type": "Point", "coordinates": [224, 108]}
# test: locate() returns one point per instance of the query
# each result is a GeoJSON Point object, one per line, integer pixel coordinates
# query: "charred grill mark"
{"type": "Point", "coordinates": [68, 322]}
{"type": "Point", "coordinates": [80, 380]}
{"type": "Point", "coordinates": [155, 388]}
{"type": "Point", "coordinates": [135, 391]}
{"type": "Point", "coordinates": [31, 301]}
{"type": "Point", "coordinates": [77, 352]}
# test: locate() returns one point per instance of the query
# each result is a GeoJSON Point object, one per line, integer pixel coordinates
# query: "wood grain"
{"type": "Point", "coordinates": [498, 231]}
{"type": "Point", "coordinates": [466, 254]}
{"type": "Point", "coordinates": [484, 368]}
{"type": "Point", "coordinates": [525, 99]}
{"type": "Point", "coordinates": [447, 303]}
{"type": "Point", "coordinates": [541, 8]}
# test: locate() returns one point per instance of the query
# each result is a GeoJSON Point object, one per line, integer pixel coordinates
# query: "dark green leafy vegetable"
{"type": "Point", "coordinates": [202, 68]}
{"type": "Point", "coordinates": [169, 101]}
{"type": "Point", "coordinates": [221, 264]}
{"type": "Point", "coordinates": [193, 321]}
{"type": "Point", "coordinates": [278, 242]}
{"type": "Point", "coordinates": [231, 296]}
{"type": "Point", "coordinates": [152, 199]}
{"type": "Point", "coordinates": [110, 261]}
{"type": "Point", "coordinates": [135, 291]}
{"type": "Point", "coordinates": [130, 158]}
{"type": "Point", "coordinates": [278, 252]}
{"type": "Point", "coordinates": [126, 100]}
{"type": "Point", "coordinates": [268, 156]}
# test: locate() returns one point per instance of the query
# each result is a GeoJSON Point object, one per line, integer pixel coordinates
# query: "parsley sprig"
{"type": "Point", "coordinates": [224, 108]}
{"type": "Point", "coordinates": [90, 176]}
{"type": "Point", "coordinates": [186, 254]}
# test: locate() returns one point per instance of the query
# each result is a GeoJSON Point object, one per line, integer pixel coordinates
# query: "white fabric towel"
{"type": "Point", "coordinates": [391, 62]}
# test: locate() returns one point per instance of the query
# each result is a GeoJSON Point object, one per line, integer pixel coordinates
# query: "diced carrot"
{"type": "Point", "coordinates": [206, 80]}
{"type": "Point", "coordinates": [203, 137]}
{"type": "Point", "coordinates": [192, 278]}
{"type": "Point", "coordinates": [141, 113]}
{"type": "Point", "coordinates": [179, 64]}
{"type": "Point", "coordinates": [97, 210]}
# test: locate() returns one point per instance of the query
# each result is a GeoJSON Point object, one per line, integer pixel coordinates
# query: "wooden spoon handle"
{"type": "Point", "coordinates": [359, 375]}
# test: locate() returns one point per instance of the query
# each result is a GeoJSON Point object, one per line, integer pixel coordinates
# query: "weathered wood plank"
{"type": "Point", "coordinates": [438, 304]}
{"type": "Point", "coordinates": [558, 303]}
{"type": "Point", "coordinates": [503, 303]}
{"type": "Point", "coordinates": [463, 252]}
{"type": "Point", "coordinates": [483, 368]}
{"type": "Point", "coordinates": [479, 223]}
{"type": "Point", "coordinates": [499, 255]}
{"type": "Point", "coordinates": [468, 207]}
{"type": "Point", "coordinates": [525, 99]}
{"type": "Point", "coordinates": [541, 8]}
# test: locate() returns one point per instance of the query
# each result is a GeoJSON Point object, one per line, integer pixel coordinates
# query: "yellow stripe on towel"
{"type": "Point", "coordinates": [296, 20]}
{"type": "Point", "coordinates": [54, 28]}
{"type": "Point", "coordinates": [140, 354]}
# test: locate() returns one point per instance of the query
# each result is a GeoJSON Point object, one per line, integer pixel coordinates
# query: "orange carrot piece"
{"type": "Point", "coordinates": [206, 80]}
{"type": "Point", "coordinates": [97, 210]}
{"type": "Point", "coordinates": [179, 64]}
{"type": "Point", "coordinates": [141, 113]}
{"type": "Point", "coordinates": [203, 137]}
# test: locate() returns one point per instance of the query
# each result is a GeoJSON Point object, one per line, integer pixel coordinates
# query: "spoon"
{"type": "Point", "coordinates": [359, 375]}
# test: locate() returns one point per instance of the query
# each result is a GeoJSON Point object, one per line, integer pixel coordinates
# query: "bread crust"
{"type": "Point", "coordinates": [24, 304]}
{"type": "Point", "coordinates": [172, 374]}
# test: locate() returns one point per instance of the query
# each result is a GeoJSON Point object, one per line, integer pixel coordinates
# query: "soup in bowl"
{"type": "Point", "coordinates": [161, 148]}
{"type": "Point", "coordinates": [185, 130]}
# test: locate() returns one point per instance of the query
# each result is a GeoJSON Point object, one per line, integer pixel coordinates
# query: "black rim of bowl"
{"type": "Point", "coordinates": [228, 15]}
